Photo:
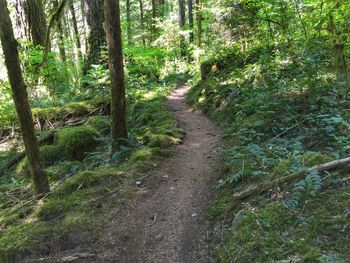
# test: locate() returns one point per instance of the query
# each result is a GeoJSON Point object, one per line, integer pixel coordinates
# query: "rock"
{"type": "Point", "coordinates": [194, 214]}
{"type": "Point", "coordinates": [159, 237]}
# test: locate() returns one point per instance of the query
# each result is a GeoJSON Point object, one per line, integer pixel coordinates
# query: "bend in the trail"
{"type": "Point", "coordinates": [166, 222]}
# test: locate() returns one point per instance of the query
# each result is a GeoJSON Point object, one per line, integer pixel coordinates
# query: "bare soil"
{"type": "Point", "coordinates": [166, 222]}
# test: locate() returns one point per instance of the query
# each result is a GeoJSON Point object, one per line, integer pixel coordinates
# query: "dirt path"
{"type": "Point", "coordinates": [166, 222]}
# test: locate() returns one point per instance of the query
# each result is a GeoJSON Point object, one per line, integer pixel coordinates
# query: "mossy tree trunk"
{"type": "Point", "coordinates": [61, 44]}
{"type": "Point", "coordinates": [116, 69]}
{"type": "Point", "coordinates": [20, 96]}
{"type": "Point", "coordinates": [93, 10]}
{"type": "Point", "coordinates": [37, 21]}
{"type": "Point", "coordinates": [76, 31]}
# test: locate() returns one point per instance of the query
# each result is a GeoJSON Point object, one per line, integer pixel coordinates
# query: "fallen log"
{"type": "Point", "coordinates": [19, 156]}
{"type": "Point", "coordinates": [255, 190]}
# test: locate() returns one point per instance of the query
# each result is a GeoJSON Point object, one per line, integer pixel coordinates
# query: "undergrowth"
{"type": "Point", "coordinates": [282, 111]}
{"type": "Point", "coordinates": [83, 177]}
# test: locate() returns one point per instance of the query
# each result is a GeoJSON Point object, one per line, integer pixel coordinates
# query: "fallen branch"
{"type": "Point", "coordinates": [255, 190]}
{"type": "Point", "coordinates": [19, 156]}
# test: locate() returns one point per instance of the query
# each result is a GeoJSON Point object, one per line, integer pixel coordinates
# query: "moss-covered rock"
{"type": "Point", "coordinates": [101, 123]}
{"type": "Point", "coordinates": [76, 141]}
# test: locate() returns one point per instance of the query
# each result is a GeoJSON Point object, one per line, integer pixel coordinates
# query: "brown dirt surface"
{"type": "Point", "coordinates": [167, 221]}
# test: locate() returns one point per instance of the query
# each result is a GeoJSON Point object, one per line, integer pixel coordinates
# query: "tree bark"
{"type": "Point", "coordinates": [37, 21]}
{"type": "Point", "coordinates": [20, 97]}
{"type": "Point", "coordinates": [154, 17]}
{"type": "Point", "coordinates": [75, 29]}
{"type": "Point", "coordinates": [190, 19]}
{"type": "Point", "coordinates": [199, 23]}
{"type": "Point", "coordinates": [128, 20]}
{"type": "Point", "coordinates": [61, 45]}
{"type": "Point", "coordinates": [142, 22]}
{"type": "Point", "coordinates": [182, 13]}
{"type": "Point", "coordinates": [116, 69]}
{"type": "Point", "coordinates": [93, 10]}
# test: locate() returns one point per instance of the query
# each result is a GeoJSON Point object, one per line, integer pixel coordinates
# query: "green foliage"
{"type": "Point", "coordinates": [260, 233]}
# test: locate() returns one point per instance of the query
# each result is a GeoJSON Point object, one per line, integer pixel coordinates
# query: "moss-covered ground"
{"type": "Point", "coordinates": [280, 112]}
{"type": "Point", "coordinates": [82, 173]}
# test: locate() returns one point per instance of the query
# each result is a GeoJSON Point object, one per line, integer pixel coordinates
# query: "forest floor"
{"type": "Point", "coordinates": [167, 220]}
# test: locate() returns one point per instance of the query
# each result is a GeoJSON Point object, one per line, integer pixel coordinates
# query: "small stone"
{"type": "Point", "coordinates": [159, 237]}
{"type": "Point", "coordinates": [194, 214]}
{"type": "Point", "coordinates": [165, 176]}
{"type": "Point", "coordinates": [172, 188]}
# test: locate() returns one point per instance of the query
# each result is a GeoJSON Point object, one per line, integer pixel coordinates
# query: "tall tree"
{"type": "Point", "coordinates": [190, 19]}
{"type": "Point", "coordinates": [182, 13]}
{"type": "Point", "coordinates": [128, 20]}
{"type": "Point", "coordinates": [154, 17]}
{"type": "Point", "coordinates": [20, 97]}
{"type": "Point", "coordinates": [61, 45]}
{"type": "Point", "coordinates": [93, 10]}
{"type": "Point", "coordinates": [116, 68]}
{"type": "Point", "coordinates": [199, 22]}
{"type": "Point", "coordinates": [75, 29]}
{"type": "Point", "coordinates": [35, 15]}
{"type": "Point", "coordinates": [142, 22]}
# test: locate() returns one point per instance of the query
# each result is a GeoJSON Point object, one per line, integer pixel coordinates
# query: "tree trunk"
{"type": "Point", "coordinates": [75, 29]}
{"type": "Point", "coordinates": [199, 23]}
{"type": "Point", "coordinates": [61, 45]}
{"type": "Point", "coordinates": [20, 97]}
{"type": "Point", "coordinates": [154, 17]}
{"type": "Point", "coordinates": [37, 21]}
{"type": "Point", "coordinates": [116, 69]}
{"type": "Point", "coordinates": [93, 9]}
{"type": "Point", "coordinates": [190, 19]}
{"type": "Point", "coordinates": [142, 23]}
{"type": "Point", "coordinates": [182, 13]}
{"type": "Point", "coordinates": [128, 20]}
{"type": "Point", "coordinates": [22, 26]}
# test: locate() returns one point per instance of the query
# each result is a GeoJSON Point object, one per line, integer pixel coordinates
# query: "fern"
{"type": "Point", "coordinates": [308, 186]}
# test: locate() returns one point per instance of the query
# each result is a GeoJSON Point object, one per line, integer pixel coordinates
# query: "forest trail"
{"type": "Point", "coordinates": [166, 222]}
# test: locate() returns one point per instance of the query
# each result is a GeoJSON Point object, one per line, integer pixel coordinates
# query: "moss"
{"type": "Point", "coordinates": [318, 230]}
{"type": "Point", "coordinates": [27, 238]}
{"type": "Point", "coordinates": [78, 182]}
{"type": "Point", "coordinates": [220, 205]}
{"type": "Point", "coordinates": [101, 123]}
{"type": "Point", "coordinates": [308, 159]}
{"type": "Point", "coordinates": [62, 169]}
{"type": "Point", "coordinates": [161, 140]}
{"type": "Point", "coordinates": [49, 154]}
{"type": "Point", "coordinates": [76, 141]}
{"type": "Point", "coordinates": [55, 209]}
